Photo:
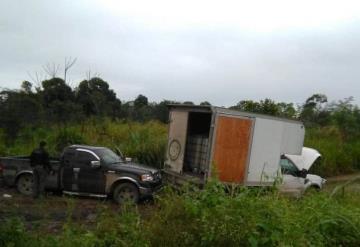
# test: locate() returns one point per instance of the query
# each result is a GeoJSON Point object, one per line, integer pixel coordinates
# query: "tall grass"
{"type": "Point", "coordinates": [144, 142]}
{"type": "Point", "coordinates": [338, 154]}
{"type": "Point", "coordinates": [209, 217]}
{"type": "Point", "coordinates": [147, 142]}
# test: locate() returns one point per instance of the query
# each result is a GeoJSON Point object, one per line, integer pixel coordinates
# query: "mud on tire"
{"type": "Point", "coordinates": [24, 184]}
{"type": "Point", "coordinates": [126, 193]}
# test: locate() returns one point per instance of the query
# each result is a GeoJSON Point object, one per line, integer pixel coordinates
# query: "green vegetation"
{"type": "Point", "coordinates": [339, 155]}
{"type": "Point", "coordinates": [145, 142]}
{"type": "Point", "coordinates": [92, 114]}
{"type": "Point", "coordinates": [210, 217]}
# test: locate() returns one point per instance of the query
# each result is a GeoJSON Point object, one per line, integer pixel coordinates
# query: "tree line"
{"type": "Point", "coordinates": [55, 102]}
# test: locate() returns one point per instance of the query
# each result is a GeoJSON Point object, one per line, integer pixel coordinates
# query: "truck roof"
{"type": "Point", "coordinates": [86, 147]}
{"type": "Point", "coordinates": [210, 109]}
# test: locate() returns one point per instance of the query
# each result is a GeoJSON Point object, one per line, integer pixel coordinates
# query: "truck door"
{"type": "Point", "coordinates": [291, 183]}
{"type": "Point", "coordinates": [177, 140]}
{"type": "Point", "coordinates": [231, 149]}
{"type": "Point", "coordinates": [90, 180]}
{"type": "Point", "coordinates": [68, 176]}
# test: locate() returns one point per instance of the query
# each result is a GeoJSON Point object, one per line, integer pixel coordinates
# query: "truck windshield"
{"type": "Point", "coordinates": [108, 156]}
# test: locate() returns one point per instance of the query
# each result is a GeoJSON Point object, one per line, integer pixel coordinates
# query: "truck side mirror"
{"type": "Point", "coordinates": [303, 173]}
{"type": "Point", "coordinates": [95, 164]}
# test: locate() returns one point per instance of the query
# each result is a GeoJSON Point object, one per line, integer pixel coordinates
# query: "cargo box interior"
{"type": "Point", "coordinates": [197, 143]}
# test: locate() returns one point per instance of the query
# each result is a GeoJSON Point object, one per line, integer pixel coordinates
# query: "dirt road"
{"type": "Point", "coordinates": [49, 214]}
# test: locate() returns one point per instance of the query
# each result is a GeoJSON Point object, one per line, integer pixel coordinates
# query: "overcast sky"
{"type": "Point", "coordinates": [220, 51]}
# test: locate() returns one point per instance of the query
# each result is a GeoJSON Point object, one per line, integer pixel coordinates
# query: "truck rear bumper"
{"type": "Point", "coordinates": [177, 179]}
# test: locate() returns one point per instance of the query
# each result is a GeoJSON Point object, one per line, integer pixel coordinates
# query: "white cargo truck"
{"type": "Point", "coordinates": [242, 148]}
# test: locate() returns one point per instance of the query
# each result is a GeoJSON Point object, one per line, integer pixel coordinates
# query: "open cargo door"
{"type": "Point", "coordinates": [231, 149]}
{"type": "Point", "coordinates": [177, 140]}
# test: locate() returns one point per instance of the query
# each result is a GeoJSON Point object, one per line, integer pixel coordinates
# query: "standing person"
{"type": "Point", "coordinates": [39, 160]}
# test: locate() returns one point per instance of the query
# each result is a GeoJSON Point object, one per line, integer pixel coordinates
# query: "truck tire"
{"type": "Point", "coordinates": [313, 189]}
{"type": "Point", "coordinates": [24, 184]}
{"type": "Point", "coordinates": [126, 193]}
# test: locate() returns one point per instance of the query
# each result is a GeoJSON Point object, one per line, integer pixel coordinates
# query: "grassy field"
{"type": "Point", "coordinates": [147, 142]}
{"type": "Point", "coordinates": [209, 217]}
{"type": "Point", "coordinates": [193, 218]}
{"type": "Point", "coordinates": [339, 155]}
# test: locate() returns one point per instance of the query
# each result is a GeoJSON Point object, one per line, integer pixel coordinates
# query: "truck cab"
{"type": "Point", "coordinates": [294, 172]}
{"type": "Point", "coordinates": [98, 171]}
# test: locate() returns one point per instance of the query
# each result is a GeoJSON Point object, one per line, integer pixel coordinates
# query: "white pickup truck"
{"type": "Point", "coordinates": [294, 168]}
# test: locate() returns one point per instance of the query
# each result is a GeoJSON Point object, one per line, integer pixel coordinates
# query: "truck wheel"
{"type": "Point", "coordinates": [126, 192]}
{"type": "Point", "coordinates": [312, 189]}
{"type": "Point", "coordinates": [25, 184]}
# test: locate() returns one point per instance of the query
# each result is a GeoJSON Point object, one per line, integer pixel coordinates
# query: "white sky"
{"type": "Point", "coordinates": [220, 51]}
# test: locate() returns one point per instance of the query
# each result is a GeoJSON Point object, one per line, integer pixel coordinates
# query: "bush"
{"type": "Point", "coordinates": [339, 156]}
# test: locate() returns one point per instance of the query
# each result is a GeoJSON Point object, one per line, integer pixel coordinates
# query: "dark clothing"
{"type": "Point", "coordinates": [40, 175]}
{"type": "Point", "coordinates": [40, 157]}
{"type": "Point", "coordinates": [39, 161]}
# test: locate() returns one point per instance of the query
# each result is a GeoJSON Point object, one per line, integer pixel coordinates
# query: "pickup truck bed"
{"type": "Point", "coordinates": [17, 166]}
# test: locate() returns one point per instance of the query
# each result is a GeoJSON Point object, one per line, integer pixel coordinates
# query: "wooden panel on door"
{"type": "Point", "coordinates": [231, 149]}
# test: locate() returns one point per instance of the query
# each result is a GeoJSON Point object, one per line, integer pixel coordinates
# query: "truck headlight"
{"type": "Point", "coordinates": [147, 177]}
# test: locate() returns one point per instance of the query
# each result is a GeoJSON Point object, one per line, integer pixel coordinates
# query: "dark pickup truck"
{"type": "Point", "coordinates": [88, 171]}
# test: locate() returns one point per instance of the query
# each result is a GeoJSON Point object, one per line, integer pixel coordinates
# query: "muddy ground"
{"type": "Point", "coordinates": [49, 214]}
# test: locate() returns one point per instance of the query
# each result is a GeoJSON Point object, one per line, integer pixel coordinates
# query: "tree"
{"type": "Point", "coordinates": [315, 111]}
{"type": "Point", "coordinates": [268, 107]}
{"type": "Point", "coordinates": [247, 105]}
{"type": "Point", "coordinates": [141, 110]}
{"type": "Point", "coordinates": [51, 69]}
{"type": "Point", "coordinates": [58, 100]}
{"type": "Point", "coordinates": [346, 116]}
{"type": "Point", "coordinates": [18, 109]}
{"type": "Point", "coordinates": [26, 87]}
{"type": "Point", "coordinates": [287, 110]}
{"type": "Point", "coordinates": [96, 98]}
{"type": "Point", "coordinates": [161, 110]}
{"type": "Point", "coordinates": [316, 101]}
{"type": "Point", "coordinates": [204, 103]}
{"type": "Point", "coordinates": [69, 62]}
{"type": "Point", "coordinates": [141, 101]}
{"type": "Point", "coordinates": [56, 89]}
